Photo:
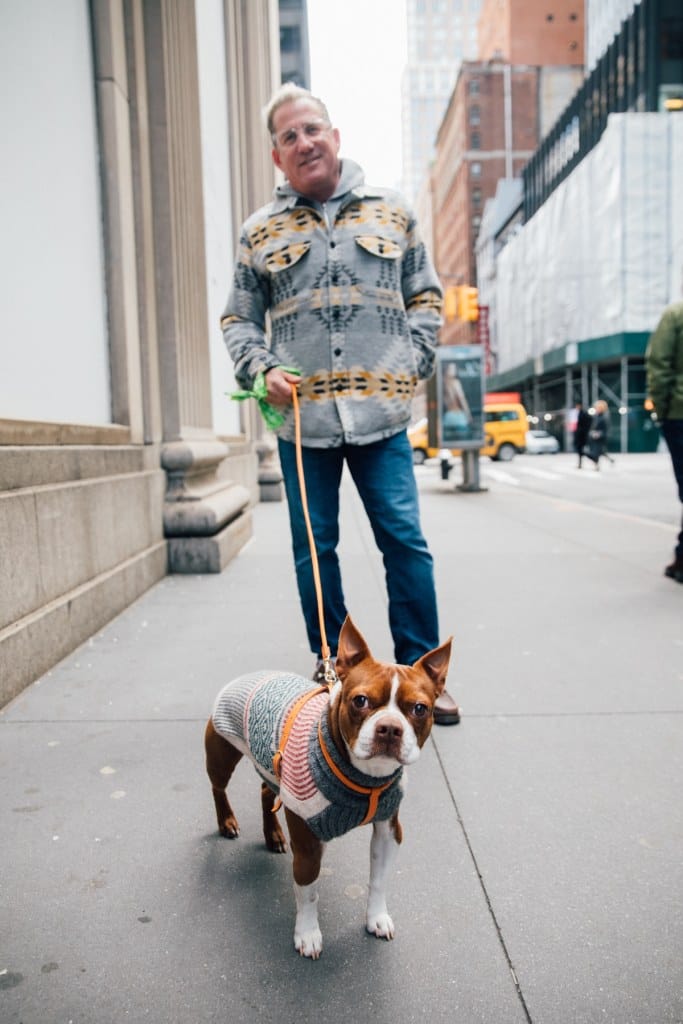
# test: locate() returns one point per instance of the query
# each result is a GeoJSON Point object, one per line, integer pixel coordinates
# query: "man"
{"type": "Point", "coordinates": [583, 425]}
{"type": "Point", "coordinates": [664, 359]}
{"type": "Point", "coordinates": [354, 306]}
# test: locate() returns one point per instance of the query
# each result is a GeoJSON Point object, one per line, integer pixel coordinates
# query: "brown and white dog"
{"type": "Point", "coordinates": [335, 757]}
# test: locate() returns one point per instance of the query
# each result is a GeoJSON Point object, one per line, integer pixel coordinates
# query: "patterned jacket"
{"type": "Point", "coordinates": [251, 712]}
{"type": "Point", "coordinates": [354, 304]}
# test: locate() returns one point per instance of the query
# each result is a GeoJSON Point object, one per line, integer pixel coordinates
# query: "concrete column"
{"type": "Point", "coordinates": [252, 27]}
{"type": "Point", "coordinates": [118, 208]}
{"type": "Point", "coordinates": [206, 518]}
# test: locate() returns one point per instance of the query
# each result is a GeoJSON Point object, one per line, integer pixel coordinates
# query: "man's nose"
{"type": "Point", "coordinates": [303, 142]}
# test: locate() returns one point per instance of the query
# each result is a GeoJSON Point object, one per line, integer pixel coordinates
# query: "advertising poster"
{"type": "Point", "coordinates": [460, 396]}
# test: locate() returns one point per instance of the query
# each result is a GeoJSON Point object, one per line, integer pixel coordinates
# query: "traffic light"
{"type": "Point", "coordinates": [469, 303]}
{"type": "Point", "coordinates": [460, 302]}
{"type": "Point", "coordinates": [450, 304]}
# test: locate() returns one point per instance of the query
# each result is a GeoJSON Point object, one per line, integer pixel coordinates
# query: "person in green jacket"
{"type": "Point", "coordinates": [664, 359]}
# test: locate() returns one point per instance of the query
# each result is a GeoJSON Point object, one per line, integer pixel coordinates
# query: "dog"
{"type": "Point", "coordinates": [333, 758]}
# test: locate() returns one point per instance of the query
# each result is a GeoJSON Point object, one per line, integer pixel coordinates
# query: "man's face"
{"type": "Point", "coordinates": [306, 149]}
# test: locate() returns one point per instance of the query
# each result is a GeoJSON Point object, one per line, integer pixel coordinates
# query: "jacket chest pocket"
{"type": "Point", "coordinates": [286, 256]}
{"type": "Point", "coordinates": [380, 262]}
{"type": "Point", "coordinates": [376, 245]}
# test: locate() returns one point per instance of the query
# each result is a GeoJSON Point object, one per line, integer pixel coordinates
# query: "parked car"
{"type": "Point", "coordinates": [540, 442]}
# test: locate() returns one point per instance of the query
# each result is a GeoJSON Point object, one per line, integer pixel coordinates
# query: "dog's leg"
{"type": "Point", "coordinates": [307, 851]}
{"type": "Point", "coordinates": [221, 759]}
{"type": "Point", "coordinates": [386, 836]}
{"type": "Point", "coordinates": [273, 834]}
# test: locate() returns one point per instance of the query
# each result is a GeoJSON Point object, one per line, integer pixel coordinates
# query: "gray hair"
{"type": "Point", "coordinates": [289, 92]}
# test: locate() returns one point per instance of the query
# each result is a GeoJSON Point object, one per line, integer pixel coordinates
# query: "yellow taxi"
{"type": "Point", "coordinates": [506, 424]}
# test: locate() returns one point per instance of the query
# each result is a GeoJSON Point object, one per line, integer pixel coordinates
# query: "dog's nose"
{"type": "Point", "coordinates": [389, 728]}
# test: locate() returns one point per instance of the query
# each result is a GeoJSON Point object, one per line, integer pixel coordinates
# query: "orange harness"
{"type": "Point", "coordinates": [372, 792]}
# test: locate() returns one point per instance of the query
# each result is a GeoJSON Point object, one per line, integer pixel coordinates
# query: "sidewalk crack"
{"type": "Point", "coordinates": [482, 884]}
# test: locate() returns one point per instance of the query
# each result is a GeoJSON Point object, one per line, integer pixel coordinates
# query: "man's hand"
{"type": "Point", "coordinates": [279, 386]}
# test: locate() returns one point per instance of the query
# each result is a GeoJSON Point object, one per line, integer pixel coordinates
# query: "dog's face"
{"type": "Point", "coordinates": [382, 712]}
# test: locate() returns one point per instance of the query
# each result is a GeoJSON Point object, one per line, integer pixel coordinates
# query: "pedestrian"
{"type": "Point", "coordinates": [598, 434]}
{"type": "Point", "coordinates": [354, 306]}
{"type": "Point", "coordinates": [664, 361]}
{"type": "Point", "coordinates": [581, 429]}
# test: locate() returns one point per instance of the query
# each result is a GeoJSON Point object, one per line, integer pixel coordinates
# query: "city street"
{"type": "Point", "coordinates": [634, 484]}
{"type": "Point", "coordinates": [540, 875]}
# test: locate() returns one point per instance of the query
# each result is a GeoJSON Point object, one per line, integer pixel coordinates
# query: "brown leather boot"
{"type": "Point", "coordinates": [446, 711]}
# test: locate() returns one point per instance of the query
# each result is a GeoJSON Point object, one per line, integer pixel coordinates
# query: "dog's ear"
{"type": "Point", "coordinates": [352, 648]}
{"type": "Point", "coordinates": [435, 664]}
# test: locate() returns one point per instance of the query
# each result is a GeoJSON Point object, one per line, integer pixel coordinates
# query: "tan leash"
{"type": "Point", "coordinates": [330, 675]}
{"type": "Point", "coordinates": [373, 793]}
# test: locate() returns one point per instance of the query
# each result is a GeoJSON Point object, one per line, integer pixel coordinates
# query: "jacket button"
{"type": "Point", "coordinates": [337, 351]}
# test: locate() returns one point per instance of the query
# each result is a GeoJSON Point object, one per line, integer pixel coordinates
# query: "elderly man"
{"type": "Point", "coordinates": [354, 306]}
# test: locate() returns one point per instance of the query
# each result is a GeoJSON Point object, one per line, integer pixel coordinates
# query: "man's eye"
{"type": "Point", "coordinates": [360, 701]}
{"type": "Point", "coordinates": [312, 130]}
{"type": "Point", "coordinates": [288, 139]}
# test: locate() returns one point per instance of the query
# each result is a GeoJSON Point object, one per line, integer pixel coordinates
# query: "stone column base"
{"type": "Point", "coordinates": [269, 472]}
{"type": "Point", "coordinates": [206, 519]}
{"type": "Point", "coordinates": [209, 554]}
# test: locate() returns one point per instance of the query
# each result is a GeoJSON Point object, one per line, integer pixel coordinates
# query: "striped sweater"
{"type": "Point", "coordinates": [250, 712]}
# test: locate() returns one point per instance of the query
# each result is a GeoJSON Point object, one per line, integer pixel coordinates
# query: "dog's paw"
{"type": "Point", "coordinates": [275, 840]}
{"type": "Point", "coordinates": [230, 829]}
{"type": "Point", "coordinates": [380, 925]}
{"type": "Point", "coordinates": [309, 944]}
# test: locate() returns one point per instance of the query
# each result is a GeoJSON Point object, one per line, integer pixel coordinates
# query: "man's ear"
{"type": "Point", "coordinates": [276, 158]}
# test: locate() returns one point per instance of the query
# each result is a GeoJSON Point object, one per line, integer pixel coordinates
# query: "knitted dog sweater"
{"type": "Point", "coordinates": [250, 712]}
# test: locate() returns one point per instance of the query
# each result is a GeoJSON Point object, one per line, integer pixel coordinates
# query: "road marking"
{"type": "Point", "coordinates": [501, 476]}
{"type": "Point", "coordinates": [542, 473]}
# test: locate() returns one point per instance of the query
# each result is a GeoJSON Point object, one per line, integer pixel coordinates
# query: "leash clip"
{"type": "Point", "coordinates": [329, 673]}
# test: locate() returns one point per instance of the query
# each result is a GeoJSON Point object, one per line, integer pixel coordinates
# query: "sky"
{"type": "Point", "coordinates": [358, 53]}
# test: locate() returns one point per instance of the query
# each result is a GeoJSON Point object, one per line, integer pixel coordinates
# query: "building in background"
{"type": "Point", "coordinates": [598, 251]}
{"type": "Point", "coordinates": [530, 65]}
{"type": "Point", "coordinates": [441, 34]}
{"type": "Point", "coordinates": [121, 457]}
{"type": "Point", "coordinates": [295, 65]}
{"type": "Point", "coordinates": [604, 19]}
{"type": "Point", "coordinates": [527, 32]}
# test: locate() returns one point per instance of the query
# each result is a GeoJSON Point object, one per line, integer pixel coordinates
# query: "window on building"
{"type": "Point", "coordinates": [473, 86]}
{"type": "Point", "coordinates": [476, 196]}
{"type": "Point", "coordinates": [475, 169]}
{"type": "Point", "coordinates": [475, 140]}
{"type": "Point", "coordinates": [290, 38]}
{"type": "Point", "coordinates": [475, 115]}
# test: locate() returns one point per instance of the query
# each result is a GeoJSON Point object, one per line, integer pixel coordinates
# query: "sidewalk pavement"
{"type": "Point", "coordinates": [540, 873]}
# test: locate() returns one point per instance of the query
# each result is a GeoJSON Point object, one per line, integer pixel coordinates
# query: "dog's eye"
{"type": "Point", "coordinates": [360, 701]}
{"type": "Point", "coordinates": [420, 710]}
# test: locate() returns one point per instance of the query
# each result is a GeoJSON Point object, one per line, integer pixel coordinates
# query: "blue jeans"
{"type": "Point", "coordinates": [384, 477]}
{"type": "Point", "coordinates": [673, 435]}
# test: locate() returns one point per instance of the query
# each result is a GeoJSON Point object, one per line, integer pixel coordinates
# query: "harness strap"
{"type": "Point", "coordinates": [289, 724]}
{"type": "Point", "coordinates": [372, 792]}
